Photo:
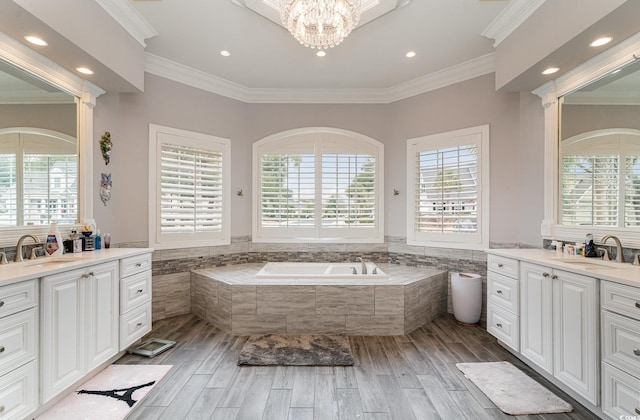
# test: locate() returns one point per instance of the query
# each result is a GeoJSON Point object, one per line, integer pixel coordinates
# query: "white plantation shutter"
{"type": "Point", "coordinates": [632, 192]}
{"type": "Point", "coordinates": [590, 190]}
{"type": "Point", "coordinates": [318, 184]}
{"type": "Point", "coordinates": [50, 192]}
{"type": "Point", "coordinates": [448, 197]}
{"type": "Point", "coordinates": [8, 190]}
{"type": "Point", "coordinates": [189, 183]}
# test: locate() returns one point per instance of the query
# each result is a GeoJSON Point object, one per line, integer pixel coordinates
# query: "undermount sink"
{"type": "Point", "coordinates": [48, 262]}
{"type": "Point", "coordinates": [593, 265]}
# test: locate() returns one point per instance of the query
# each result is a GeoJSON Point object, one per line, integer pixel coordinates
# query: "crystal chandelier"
{"type": "Point", "coordinates": [320, 23]}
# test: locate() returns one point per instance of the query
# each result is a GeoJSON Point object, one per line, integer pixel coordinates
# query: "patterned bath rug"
{"type": "Point", "coordinates": [296, 350]}
{"type": "Point", "coordinates": [110, 395]}
{"type": "Point", "coordinates": [512, 390]}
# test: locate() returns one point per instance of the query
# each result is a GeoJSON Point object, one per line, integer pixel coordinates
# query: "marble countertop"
{"type": "Point", "coordinates": [593, 267]}
{"type": "Point", "coordinates": [399, 275]}
{"type": "Point", "coordinates": [44, 266]}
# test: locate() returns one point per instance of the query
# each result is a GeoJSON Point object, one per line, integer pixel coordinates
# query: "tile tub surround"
{"type": "Point", "coordinates": [234, 301]}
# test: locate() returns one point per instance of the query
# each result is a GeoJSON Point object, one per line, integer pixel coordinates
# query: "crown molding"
{"type": "Point", "coordinates": [510, 18]}
{"type": "Point", "coordinates": [201, 80]}
{"type": "Point", "coordinates": [123, 12]}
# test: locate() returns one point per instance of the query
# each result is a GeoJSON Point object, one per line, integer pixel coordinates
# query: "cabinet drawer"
{"type": "Point", "coordinates": [18, 296]}
{"type": "Point", "coordinates": [505, 266]}
{"type": "Point", "coordinates": [134, 325]}
{"type": "Point", "coordinates": [620, 393]}
{"type": "Point", "coordinates": [17, 340]}
{"type": "Point", "coordinates": [18, 396]}
{"type": "Point", "coordinates": [135, 290]}
{"type": "Point", "coordinates": [503, 291]}
{"type": "Point", "coordinates": [136, 264]}
{"type": "Point", "coordinates": [621, 298]}
{"type": "Point", "coordinates": [504, 326]}
{"type": "Point", "coordinates": [621, 342]}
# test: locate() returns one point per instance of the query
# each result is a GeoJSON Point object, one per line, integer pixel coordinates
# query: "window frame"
{"type": "Point", "coordinates": [158, 240]}
{"type": "Point", "coordinates": [339, 138]}
{"type": "Point", "coordinates": [479, 136]}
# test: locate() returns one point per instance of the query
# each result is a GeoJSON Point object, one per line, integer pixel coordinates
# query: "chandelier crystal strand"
{"type": "Point", "coordinates": [320, 23]}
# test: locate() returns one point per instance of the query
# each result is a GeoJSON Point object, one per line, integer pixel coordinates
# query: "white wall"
{"type": "Point", "coordinates": [168, 103]}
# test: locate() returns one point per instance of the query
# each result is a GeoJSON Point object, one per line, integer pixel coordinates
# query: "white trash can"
{"type": "Point", "coordinates": [466, 296]}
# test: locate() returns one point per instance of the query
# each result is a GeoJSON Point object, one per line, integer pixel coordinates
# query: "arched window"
{"type": "Point", "coordinates": [318, 185]}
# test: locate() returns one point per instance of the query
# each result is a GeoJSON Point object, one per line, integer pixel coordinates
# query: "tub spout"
{"type": "Point", "coordinates": [364, 266]}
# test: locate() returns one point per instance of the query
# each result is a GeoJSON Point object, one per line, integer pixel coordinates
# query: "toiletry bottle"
{"type": "Point", "coordinates": [97, 244]}
{"type": "Point", "coordinates": [53, 245]}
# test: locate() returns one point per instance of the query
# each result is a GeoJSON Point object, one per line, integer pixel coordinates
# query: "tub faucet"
{"type": "Point", "coordinates": [619, 256]}
{"type": "Point", "coordinates": [18, 257]}
{"type": "Point", "coordinates": [364, 266]}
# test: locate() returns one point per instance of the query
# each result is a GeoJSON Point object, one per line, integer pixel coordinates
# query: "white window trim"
{"type": "Point", "coordinates": [199, 140]}
{"type": "Point", "coordinates": [373, 146]}
{"type": "Point", "coordinates": [447, 139]}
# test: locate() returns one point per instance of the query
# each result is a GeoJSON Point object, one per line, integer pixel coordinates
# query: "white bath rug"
{"type": "Point", "coordinates": [512, 390]}
{"type": "Point", "coordinates": [109, 395]}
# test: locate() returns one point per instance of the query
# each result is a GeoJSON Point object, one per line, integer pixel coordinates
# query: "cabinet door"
{"type": "Point", "coordinates": [102, 313]}
{"type": "Point", "coordinates": [536, 332]}
{"type": "Point", "coordinates": [575, 335]}
{"type": "Point", "coordinates": [63, 326]}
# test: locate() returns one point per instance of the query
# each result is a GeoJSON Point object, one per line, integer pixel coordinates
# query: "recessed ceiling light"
{"type": "Point", "coordinates": [601, 41]}
{"type": "Point", "coordinates": [550, 70]}
{"type": "Point", "coordinates": [36, 40]}
{"type": "Point", "coordinates": [321, 53]}
{"type": "Point", "coordinates": [84, 70]}
{"type": "Point", "coordinates": [225, 53]}
{"type": "Point", "coordinates": [410, 54]}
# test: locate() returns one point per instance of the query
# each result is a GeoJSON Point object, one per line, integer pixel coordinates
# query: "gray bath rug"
{"type": "Point", "coordinates": [512, 390]}
{"type": "Point", "coordinates": [296, 350]}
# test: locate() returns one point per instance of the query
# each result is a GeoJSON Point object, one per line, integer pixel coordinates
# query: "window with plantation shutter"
{"type": "Point", "coordinates": [318, 184]}
{"type": "Point", "coordinates": [38, 177]}
{"type": "Point", "coordinates": [600, 179]}
{"type": "Point", "coordinates": [448, 189]}
{"type": "Point", "coordinates": [189, 194]}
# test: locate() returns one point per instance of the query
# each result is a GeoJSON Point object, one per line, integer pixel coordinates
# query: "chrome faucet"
{"type": "Point", "coordinates": [363, 270]}
{"type": "Point", "coordinates": [18, 257]}
{"type": "Point", "coordinates": [619, 256]}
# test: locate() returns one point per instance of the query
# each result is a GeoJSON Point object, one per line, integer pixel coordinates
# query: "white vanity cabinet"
{"type": "Point", "coordinates": [503, 298]}
{"type": "Point", "coordinates": [135, 299]}
{"type": "Point", "coordinates": [18, 349]}
{"type": "Point", "coordinates": [559, 326]}
{"type": "Point", "coordinates": [79, 324]}
{"type": "Point", "coordinates": [620, 350]}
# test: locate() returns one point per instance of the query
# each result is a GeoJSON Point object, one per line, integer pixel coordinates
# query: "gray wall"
{"type": "Point", "coordinates": [578, 119]}
{"type": "Point", "coordinates": [56, 117]}
{"type": "Point", "coordinates": [516, 145]}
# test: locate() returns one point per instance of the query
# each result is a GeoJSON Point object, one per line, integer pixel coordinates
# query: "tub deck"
{"type": "Point", "coordinates": [232, 299]}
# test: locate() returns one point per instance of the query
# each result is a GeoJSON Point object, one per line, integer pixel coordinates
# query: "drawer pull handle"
{"type": "Point", "coordinates": [499, 325]}
{"type": "Point", "coordinates": [138, 325]}
{"type": "Point", "coordinates": [499, 292]}
{"type": "Point", "coordinates": [636, 352]}
{"type": "Point", "coordinates": [1, 349]}
{"type": "Point", "coordinates": [545, 274]}
{"type": "Point", "coordinates": [2, 303]}
{"type": "Point", "coordinates": [139, 291]}
{"type": "Point", "coordinates": [637, 304]}
{"type": "Point", "coordinates": [1, 408]}
{"type": "Point", "coordinates": [554, 277]}
{"type": "Point", "coordinates": [500, 265]}
{"type": "Point", "coordinates": [638, 410]}
{"type": "Point", "coordinates": [138, 264]}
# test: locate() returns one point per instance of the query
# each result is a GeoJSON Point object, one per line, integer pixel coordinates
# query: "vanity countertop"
{"type": "Point", "coordinates": [44, 266]}
{"type": "Point", "coordinates": [593, 267]}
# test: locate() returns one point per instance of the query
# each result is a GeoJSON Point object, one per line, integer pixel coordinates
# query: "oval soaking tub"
{"type": "Point", "coordinates": [297, 270]}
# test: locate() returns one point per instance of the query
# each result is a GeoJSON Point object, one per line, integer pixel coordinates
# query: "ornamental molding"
{"type": "Point", "coordinates": [515, 13]}
{"type": "Point", "coordinates": [123, 12]}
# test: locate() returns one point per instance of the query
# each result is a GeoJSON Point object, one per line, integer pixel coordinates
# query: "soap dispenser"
{"type": "Point", "coordinates": [53, 245]}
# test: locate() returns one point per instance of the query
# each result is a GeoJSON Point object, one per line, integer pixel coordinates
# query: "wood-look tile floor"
{"type": "Point", "coordinates": [402, 377]}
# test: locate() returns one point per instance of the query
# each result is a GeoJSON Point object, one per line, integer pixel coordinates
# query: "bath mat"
{"type": "Point", "coordinates": [296, 350]}
{"type": "Point", "coordinates": [109, 395]}
{"type": "Point", "coordinates": [512, 390]}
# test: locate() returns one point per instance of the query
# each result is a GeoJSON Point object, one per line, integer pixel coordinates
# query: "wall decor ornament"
{"type": "Point", "coordinates": [105, 188]}
{"type": "Point", "coordinates": [105, 147]}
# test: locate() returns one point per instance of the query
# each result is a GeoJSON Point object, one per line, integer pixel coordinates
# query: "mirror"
{"type": "Point", "coordinates": [39, 154]}
{"type": "Point", "coordinates": [599, 156]}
